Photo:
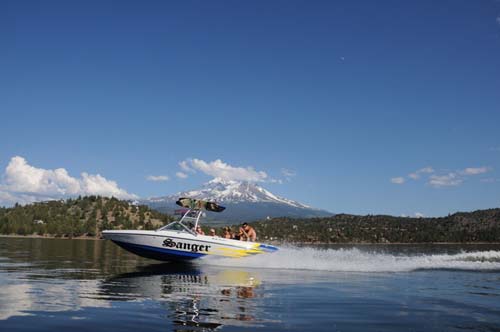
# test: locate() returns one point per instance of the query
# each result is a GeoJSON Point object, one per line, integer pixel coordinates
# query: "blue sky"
{"type": "Point", "coordinates": [350, 96]}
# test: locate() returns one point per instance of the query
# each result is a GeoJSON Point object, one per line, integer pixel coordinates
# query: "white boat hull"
{"type": "Point", "coordinates": [167, 245]}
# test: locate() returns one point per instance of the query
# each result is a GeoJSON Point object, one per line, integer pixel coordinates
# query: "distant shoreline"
{"type": "Point", "coordinates": [33, 236]}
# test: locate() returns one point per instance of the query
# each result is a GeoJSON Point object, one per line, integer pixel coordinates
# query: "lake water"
{"type": "Point", "coordinates": [84, 285]}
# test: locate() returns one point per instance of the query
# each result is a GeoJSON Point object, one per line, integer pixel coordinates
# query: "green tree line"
{"type": "Point", "coordinates": [82, 216]}
{"type": "Point", "coordinates": [90, 215]}
{"type": "Point", "coordinates": [477, 226]}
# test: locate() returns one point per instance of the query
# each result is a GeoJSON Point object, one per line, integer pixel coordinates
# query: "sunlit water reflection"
{"type": "Point", "coordinates": [49, 284]}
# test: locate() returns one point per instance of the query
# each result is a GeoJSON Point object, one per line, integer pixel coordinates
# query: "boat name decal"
{"type": "Point", "coordinates": [169, 243]}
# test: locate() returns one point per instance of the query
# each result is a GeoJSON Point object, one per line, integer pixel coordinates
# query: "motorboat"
{"type": "Point", "coordinates": [179, 240]}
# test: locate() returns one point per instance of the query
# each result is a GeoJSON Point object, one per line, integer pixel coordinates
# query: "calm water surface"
{"type": "Point", "coordinates": [84, 285]}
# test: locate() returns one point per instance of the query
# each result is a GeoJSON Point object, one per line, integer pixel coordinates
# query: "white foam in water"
{"type": "Point", "coordinates": [355, 260]}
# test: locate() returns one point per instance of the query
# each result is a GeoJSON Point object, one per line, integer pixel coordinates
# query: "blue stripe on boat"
{"type": "Point", "coordinates": [268, 247]}
{"type": "Point", "coordinates": [161, 254]}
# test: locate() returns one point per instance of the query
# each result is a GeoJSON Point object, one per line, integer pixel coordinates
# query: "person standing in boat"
{"type": "Point", "coordinates": [249, 233]}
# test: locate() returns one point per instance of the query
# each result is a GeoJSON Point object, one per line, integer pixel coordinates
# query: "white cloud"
{"type": "Point", "coordinates": [220, 169]}
{"type": "Point", "coordinates": [184, 165]}
{"type": "Point", "coordinates": [288, 173]}
{"type": "Point", "coordinates": [7, 198]}
{"type": "Point", "coordinates": [447, 180]}
{"type": "Point", "coordinates": [419, 215]}
{"type": "Point", "coordinates": [475, 170]}
{"type": "Point", "coordinates": [398, 180]}
{"type": "Point", "coordinates": [98, 185]}
{"type": "Point", "coordinates": [157, 178]}
{"type": "Point", "coordinates": [23, 178]}
{"type": "Point", "coordinates": [24, 183]}
{"type": "Point", "coordinates": [456, 178]}
{"type": "Point", "coordinates": [416, 175]}
{"type": "Point", "coordinates": [181, 175]}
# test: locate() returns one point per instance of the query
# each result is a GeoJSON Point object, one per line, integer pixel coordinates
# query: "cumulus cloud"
{"type": "Point", "coordinates": [24, 183]}
{"type": "Point", "coordinates": [98, 185]}
{"type": "Point", "coordinates": [475, 170]}
{"type": "Point", "coordinates": [222, 170]}
{"type": "Point", "coordinates": [398, 180]}
{"type": "Point", "coordinates": [439, 179]}
{"type": "Point", "coordinates": [7, 198]}
{"type": "Point", "coordinates": [21, 177]}
{"type": "Point", "coordinates": [419, 215]}
{"type": "Point", "coordinates": [184, 165]}
{"type": "Point", "coordinates": [416, 175]}
{"type": "Point", "coordinates": [456, 178]}
{"type": "Point", "coordinates": [448, 180]}
{"type": "Point", "coordinates": [157, 178]}
{"type": "Point", "coordinates": [181, 175]}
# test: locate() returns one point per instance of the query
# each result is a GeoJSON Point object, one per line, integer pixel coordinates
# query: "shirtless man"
{"type": "Point", "coordinates": [248, 233]}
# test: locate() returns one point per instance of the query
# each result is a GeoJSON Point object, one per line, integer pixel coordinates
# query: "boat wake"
{"type": "Point", "coordinates": [356, 260]}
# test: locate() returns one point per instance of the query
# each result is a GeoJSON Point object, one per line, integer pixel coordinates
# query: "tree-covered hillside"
{"type": "Point", "coordinates": [76, 217]}
{"type": "Point", "coordinates": [477, 226]}
{"type": "Point", "coordinates": [88, 216]}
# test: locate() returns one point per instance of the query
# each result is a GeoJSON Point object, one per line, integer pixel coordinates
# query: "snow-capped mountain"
{"type": "Point", "coordinates": [244, 201]}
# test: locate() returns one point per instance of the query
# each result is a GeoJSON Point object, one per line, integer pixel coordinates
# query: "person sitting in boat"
{"type": "Point", "coordinates": [249, 233]}
{"type": "Point", "coordinates": [239, 235]}
{"type": "Point", "coordinates": [199, 230]}
{"type": "Point", "coordinates": [227, 233]}
{"type": "Point", "coordinates": [212, 232]}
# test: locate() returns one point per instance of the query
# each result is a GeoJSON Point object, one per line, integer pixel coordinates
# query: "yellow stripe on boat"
{"type": "Point", "coordinates": [233, 252]}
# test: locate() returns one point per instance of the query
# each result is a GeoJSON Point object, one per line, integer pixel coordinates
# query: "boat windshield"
{"type": "Point", "coordinates": [176, 226]}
